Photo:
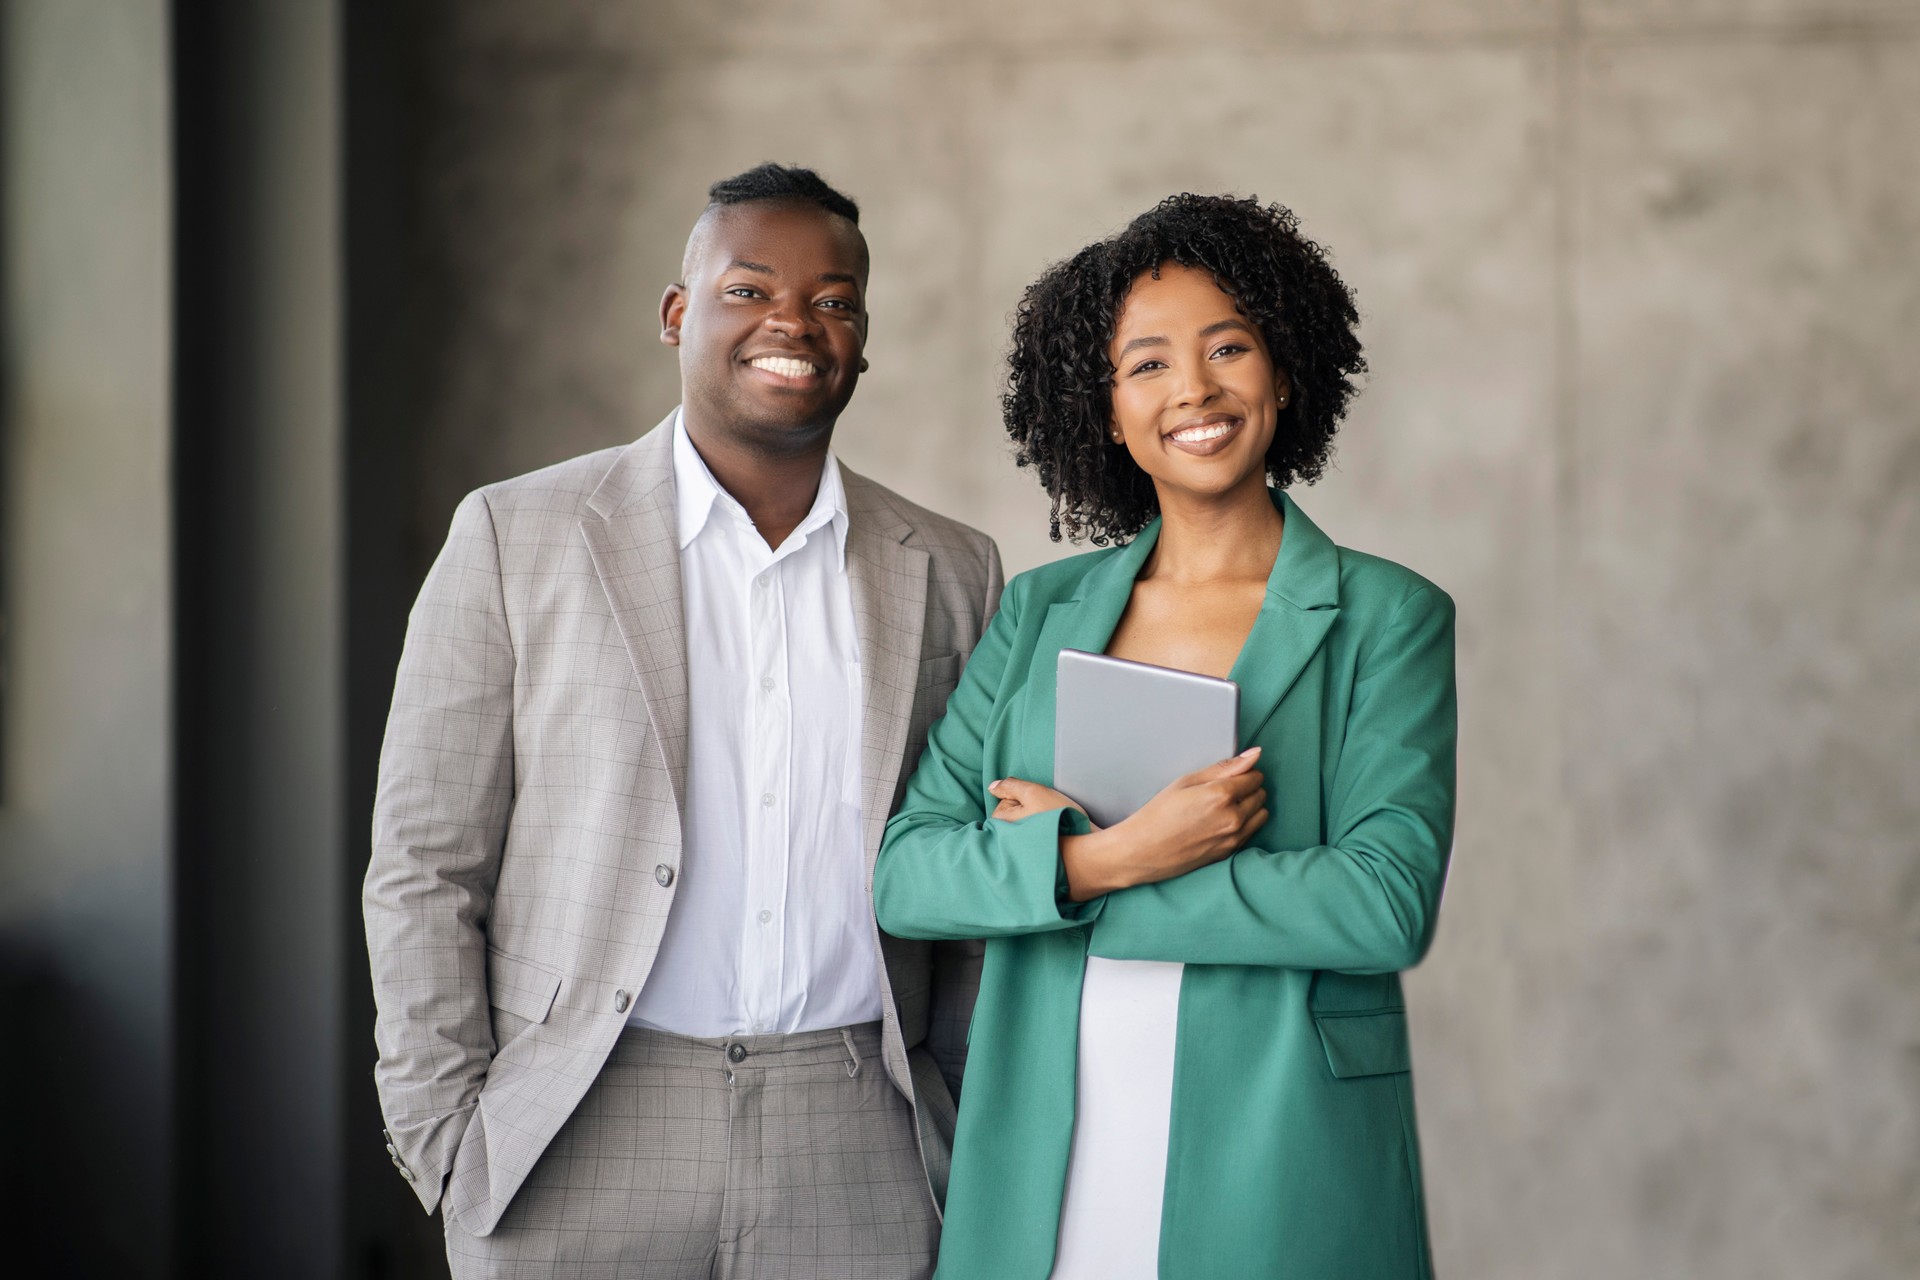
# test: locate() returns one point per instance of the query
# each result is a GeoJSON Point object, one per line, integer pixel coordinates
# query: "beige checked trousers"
{"type": "Point", "coordinates": [729, 1159]}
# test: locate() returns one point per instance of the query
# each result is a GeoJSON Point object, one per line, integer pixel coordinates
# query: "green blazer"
{"type": "Point", "coordinates": [1293, 1150]}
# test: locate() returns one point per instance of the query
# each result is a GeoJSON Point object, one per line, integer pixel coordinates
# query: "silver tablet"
{"type": "Point", "coordinates": [1123, 730]}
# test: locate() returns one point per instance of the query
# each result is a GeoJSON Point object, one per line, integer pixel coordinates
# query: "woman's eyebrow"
{"type": "Point", "coordinates": [1155, 341]}
{"type": "Point", "coordinates": [1219, 326]}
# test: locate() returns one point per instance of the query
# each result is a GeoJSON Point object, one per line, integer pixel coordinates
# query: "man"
{"type": "Point", "coordinates": [656, 703]}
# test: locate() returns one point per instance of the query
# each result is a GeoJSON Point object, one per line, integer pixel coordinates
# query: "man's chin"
{"type": "Point", "coordinates": [783, 429]}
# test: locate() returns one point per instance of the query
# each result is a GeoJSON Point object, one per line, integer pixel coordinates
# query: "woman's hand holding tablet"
{"type": "Point", "coordinates": [1194, 821]}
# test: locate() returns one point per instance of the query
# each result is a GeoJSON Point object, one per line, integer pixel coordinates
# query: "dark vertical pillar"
{"type": "Point", "coordinates": [260, 565]}
{"type": "Point", "coordinates": [387, 348]}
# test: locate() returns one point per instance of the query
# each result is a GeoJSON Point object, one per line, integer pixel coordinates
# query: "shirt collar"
{"type": "Point", "coordinates": [697, 493]}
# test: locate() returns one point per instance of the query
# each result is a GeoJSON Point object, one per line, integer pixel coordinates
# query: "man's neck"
{"type": "Point", "coordinates": [777, 490]}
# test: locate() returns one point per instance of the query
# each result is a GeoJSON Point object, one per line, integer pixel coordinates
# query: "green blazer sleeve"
{"type": "Point", "coordinates": [945, 869]}
{"type": "Point", "coordinates": [1366, 902]}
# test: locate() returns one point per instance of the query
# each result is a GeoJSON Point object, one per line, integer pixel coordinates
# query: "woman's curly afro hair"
{"type": "Point", "coordinates": [1059, 396]}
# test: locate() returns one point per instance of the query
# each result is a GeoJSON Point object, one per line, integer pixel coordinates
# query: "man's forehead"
{"type": "Point", "coordinates": [756, 231]}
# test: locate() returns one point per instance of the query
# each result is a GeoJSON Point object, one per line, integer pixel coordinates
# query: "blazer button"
{"type": "Point", "coordinates": [620, 1002]}
{"type": "Point", "coordinates": [406, 1173]}
{"type": "Point", "coordinates": [664, 874]}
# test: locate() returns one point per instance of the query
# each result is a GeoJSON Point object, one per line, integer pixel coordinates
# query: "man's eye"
{"type": "Point", "coordinates": [841, 303]}
{"type": "Point", "coordinates": [743, 291]}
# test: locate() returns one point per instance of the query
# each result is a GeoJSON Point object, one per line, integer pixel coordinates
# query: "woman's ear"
{"type": "Point", "coordinates": [1282, 387]}
{"type": "Point", "coordinates": [1113, 430]}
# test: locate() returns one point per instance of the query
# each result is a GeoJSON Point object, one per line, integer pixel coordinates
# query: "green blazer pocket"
{"type": "Point", "coordinates": [1370, 1043]}
{"type": "Point", "coordinates": [521, 987]}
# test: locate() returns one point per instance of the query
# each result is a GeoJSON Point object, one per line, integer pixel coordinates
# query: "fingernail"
{"type": "Point", "coordinates": [1250, 751]}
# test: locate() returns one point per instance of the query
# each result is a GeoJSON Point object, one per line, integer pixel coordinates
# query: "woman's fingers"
{"type": "Point", "coordinates": [1020, 798]}
{"type": "Point", "coordinates": [1227, 768]}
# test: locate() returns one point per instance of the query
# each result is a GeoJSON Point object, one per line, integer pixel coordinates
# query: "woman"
{"type": "Point", "coordinates": [1236, 1101]}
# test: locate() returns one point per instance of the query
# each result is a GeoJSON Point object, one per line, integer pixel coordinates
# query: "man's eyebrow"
{"type": "Point", "coordinates": [839, 277]}
{"type": "Point", "coordinates": [742, 264]}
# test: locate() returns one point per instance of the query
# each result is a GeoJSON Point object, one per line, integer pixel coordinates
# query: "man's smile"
{"type": "Point", "coordinates": [787, 370]}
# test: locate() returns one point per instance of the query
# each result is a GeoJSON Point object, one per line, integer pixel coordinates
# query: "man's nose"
{"type": "Point", "coordinates": [792, 318]}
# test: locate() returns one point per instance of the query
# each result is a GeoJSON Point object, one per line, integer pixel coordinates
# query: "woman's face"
{"type": "Point", "coordinates": [1195, 394]}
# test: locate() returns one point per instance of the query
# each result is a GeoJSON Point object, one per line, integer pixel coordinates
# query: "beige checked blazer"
{"type": "Point", "coordinates": [526, 829]}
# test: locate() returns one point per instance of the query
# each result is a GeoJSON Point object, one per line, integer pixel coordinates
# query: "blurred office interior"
{"type": "Point", "coordinates": [1641, 292]}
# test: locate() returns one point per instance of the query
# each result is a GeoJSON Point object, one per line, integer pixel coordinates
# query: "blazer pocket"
{"type": "Point", "coordinates": [1370, 1043]}
{"type": "Point", "coordinates": [941, 669]}
{"type": "Point", "coordinates": [521, 987]}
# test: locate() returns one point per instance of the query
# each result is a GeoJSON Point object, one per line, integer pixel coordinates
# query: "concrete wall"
{"type": "Point", "coordinates": [85, 635]}
{"type": "Point", "coordinates": [1641, 284]}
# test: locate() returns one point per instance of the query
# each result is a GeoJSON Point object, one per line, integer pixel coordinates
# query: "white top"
{"type": "Point", "coordinates": [771, 929]}
{"type": "Point", "coordinates": [1123, 1108]}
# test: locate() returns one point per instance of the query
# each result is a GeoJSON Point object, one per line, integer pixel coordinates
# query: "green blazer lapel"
{"type": "Point", "coordinates": [1302, 604]}
{"type": "Point", "coordinates": [1085, 620]}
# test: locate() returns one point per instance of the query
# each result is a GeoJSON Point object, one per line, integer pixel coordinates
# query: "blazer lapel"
{"type": "Point", "coordinates": [888, 580]}
{"type": "Point", "coordinates": [1086, 620]}
{"type": "Point", "coordinates": [635, 546]}
{"type": "Point", "coordinates": [1302, 603]}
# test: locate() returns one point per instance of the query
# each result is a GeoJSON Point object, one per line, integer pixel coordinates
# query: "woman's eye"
{"type": "Point", "coordinates": [1148, 366]}
{"type": "Point", "coordinates": [1231, 349]}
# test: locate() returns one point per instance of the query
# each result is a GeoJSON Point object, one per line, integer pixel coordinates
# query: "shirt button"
{"type": "Point", "coordinates": [663, 874]}
{"type": "Point", "coordinates": [766, 684]}
{"type": "Point", "coordinates": [621, 1001]}
{"type": "Point", "coordinates": [736, 1053]}
{"type": "Point", "coordinates": [766, 917]}
{"type": "Point", "coordinates": [766, 801]}
{"type": "Point", "coordinates": [760, 581]}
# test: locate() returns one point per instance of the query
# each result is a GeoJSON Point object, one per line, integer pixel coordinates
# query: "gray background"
{"type": "Point", "coordinates": [1641, 288]}
{"type": "Point", "coordinates": [1641, 293]}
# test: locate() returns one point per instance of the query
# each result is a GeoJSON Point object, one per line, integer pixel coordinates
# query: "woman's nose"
{"type": "Point", "coordinates": [1196, 385]}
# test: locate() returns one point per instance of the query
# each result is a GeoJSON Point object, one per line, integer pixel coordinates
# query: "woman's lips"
{"type": "Point", "coordinates": [1204, 438]}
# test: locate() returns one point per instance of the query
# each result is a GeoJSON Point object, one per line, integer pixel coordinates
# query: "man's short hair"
{"type": "Point", "coordinates": [772, 181]}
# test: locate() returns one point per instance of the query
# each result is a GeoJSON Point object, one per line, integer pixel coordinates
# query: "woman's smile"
{"type": "Point", "coordinates": [1206, 436]}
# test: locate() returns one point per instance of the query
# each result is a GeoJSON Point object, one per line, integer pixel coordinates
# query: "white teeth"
{"type": "Point", "coordinates": [1194, 435]}
{"type": "Point", "coordinates": [784, 367]}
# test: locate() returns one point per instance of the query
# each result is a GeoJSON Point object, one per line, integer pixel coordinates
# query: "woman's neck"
{"type": "Point", "coordinates": [1229, 537]}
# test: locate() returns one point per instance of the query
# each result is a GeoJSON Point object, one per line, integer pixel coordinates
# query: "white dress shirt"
{"type": "Point", "coordinates": [771, 929]}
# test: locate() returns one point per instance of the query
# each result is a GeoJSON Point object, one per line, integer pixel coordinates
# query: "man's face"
{"type": "Point", "coordinates": [770, 321]}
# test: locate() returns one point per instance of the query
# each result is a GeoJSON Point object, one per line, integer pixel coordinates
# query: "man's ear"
{"type": "Point", "coordinates": [673, 307]}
